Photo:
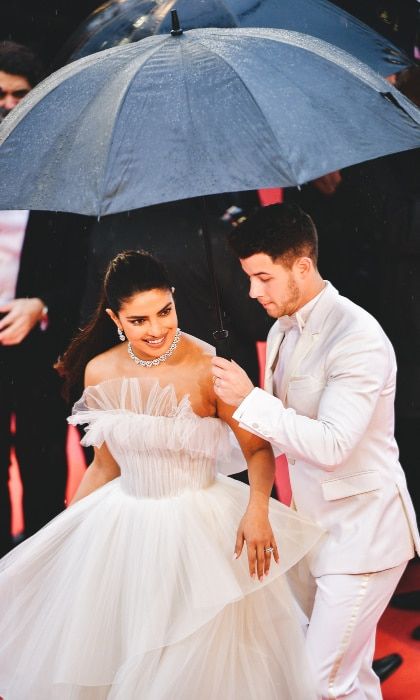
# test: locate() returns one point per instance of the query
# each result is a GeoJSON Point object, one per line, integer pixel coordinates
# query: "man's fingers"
{"type": "Point", "coordinates": [6, 321]}
{"type": "Point", "coordinates": [220, 365]}
{"type": "Point", "coordinates": [4, 308]}
{"type": "Point", "coordinates": [14, 332]}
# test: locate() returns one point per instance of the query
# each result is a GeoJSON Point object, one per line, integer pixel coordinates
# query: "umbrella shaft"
{"type": "Point", "coordinates": [221, 335]}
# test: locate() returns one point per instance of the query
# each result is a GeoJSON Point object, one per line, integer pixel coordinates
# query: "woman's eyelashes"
{"type": "Point", "coordinates": [166, 312]}
{"type": "Point", "coordinates": [140, 321]}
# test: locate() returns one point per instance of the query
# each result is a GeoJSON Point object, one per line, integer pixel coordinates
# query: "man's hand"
{"type": "Point", "coordinates": [255, 530]}
{"type": "Point", "coordinates": [21, 316]}
{"type": "Point", "coordinates": [231, 383]}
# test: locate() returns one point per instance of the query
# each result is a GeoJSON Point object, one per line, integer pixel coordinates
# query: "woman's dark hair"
{"type": "Point", "coordinates": [280, 231]}
{"type": "Point", "coordinates": [129, 273]}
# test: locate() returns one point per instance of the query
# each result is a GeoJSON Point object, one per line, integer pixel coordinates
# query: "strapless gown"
{"type": "Point", "coordinates": [132, 592]}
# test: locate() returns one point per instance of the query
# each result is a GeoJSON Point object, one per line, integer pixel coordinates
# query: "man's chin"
{"type": "Point", "coordinates": [271, 310]}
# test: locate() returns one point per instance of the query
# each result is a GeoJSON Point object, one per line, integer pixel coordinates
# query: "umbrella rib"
{"type": "Point", "coordinates": [319, 47]}
{"type": "Point", "coordinates": [47, 86]}
{"type": "Point", "coordinates": [140, 63]}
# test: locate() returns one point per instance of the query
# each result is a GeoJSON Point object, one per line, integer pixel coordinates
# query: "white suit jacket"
{"type": "Point", "coordinates": [334, 419]}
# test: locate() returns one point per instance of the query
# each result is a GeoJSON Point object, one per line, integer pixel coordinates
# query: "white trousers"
{"type": "Point", "coordinates": [341, 633]}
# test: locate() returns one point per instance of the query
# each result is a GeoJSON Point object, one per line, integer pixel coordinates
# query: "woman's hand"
{"type": "Point", "coordinates": [255, 530]}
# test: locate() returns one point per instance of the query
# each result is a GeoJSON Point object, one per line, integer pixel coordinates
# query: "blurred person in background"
{"type": "Point", "coordinates": [20, 71]}
{"type": "Point", "coordinates": [41, 282]}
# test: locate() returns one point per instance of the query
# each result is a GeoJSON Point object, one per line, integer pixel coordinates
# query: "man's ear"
{"type": "Point", "coordinates": [303, 266]}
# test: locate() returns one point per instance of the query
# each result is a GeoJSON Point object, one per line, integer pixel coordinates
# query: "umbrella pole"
{"type": "Point", "coordinates": [221, 335]}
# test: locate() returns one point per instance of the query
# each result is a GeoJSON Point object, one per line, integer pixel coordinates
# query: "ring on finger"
{"type": "Point", "coordinates": [268, 550]}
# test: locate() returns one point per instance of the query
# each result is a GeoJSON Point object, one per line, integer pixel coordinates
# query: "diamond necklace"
{"type": "Point", "coordinates": [157, 360]}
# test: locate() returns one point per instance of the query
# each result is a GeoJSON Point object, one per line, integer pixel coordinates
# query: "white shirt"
{"type": "Point", "coordinates": [293, 327]}
{"type": "Point", "coordinates": [12, 232]}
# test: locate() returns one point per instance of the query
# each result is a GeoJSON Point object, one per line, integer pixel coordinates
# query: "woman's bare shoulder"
{"type": "Point", "coordinates": [202, 349]}
{"type": "Point", "coordinates": [199, 358]}
{"type": "Point", "coordinates": [103, 366]}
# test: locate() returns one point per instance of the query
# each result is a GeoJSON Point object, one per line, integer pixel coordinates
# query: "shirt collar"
{"type": "Point", "coordinates": [300, 317]}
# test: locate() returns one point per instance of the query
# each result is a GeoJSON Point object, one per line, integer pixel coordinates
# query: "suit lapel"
{"type": "Point", "coordinates": [310, 335]}
{"type": "Point", "coordinates": [307, 340]}
{"type": "Point", "coordinates": [303, 346]}
{"type": "Point", "coordinates": [273, 345]}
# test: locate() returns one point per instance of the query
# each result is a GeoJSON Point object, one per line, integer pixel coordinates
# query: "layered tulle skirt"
{"type": "Point", "coordinates": [140, 599]}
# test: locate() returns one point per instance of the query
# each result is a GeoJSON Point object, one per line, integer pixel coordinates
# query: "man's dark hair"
{"type": "Point", "coordinates": [17, 59]}
{"type": "Point", "coordinates": [280, 231]}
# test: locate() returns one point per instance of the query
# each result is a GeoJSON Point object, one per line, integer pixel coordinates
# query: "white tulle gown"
{"type": "Point", "coordinates": [132, 592]}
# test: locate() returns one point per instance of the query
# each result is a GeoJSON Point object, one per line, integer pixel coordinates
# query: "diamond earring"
{"type": "Point", "coordinates": [121, 334]}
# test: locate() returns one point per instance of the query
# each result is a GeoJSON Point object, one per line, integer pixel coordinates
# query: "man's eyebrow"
{"type": "Point", "coordinates": [142, 318]}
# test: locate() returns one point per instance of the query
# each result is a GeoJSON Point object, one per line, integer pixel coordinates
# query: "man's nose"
{"type": "Point", "coordinates": [254, 288]}
{"type": "Point", "coordinates": [9, 102]}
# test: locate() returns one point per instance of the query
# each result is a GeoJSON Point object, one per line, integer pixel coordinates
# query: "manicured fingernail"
{"type": "Point", "coordinates": [261, 579]}
{"type": "Point", "coordinates": [253, 576]}
{"type": "Point", "coordinates": [235, 556]}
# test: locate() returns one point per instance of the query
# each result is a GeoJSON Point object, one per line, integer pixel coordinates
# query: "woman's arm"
{"type": "Point", "coordinates": [103, 469]}
{"type": "Point", "coordinates": [254, 528]}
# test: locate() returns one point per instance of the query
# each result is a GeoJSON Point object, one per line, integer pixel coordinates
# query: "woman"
{"type": "Point", "coordinates": [132, 593]}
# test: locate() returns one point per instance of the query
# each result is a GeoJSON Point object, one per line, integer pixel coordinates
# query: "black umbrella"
{"type": "Point", "coordinates": [123, 21]}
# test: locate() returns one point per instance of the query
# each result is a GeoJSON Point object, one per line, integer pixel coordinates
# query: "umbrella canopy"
{"type": "Point", "coordinates": [208, 111]}
{"type": "Point", "coordinates": [122, 21]}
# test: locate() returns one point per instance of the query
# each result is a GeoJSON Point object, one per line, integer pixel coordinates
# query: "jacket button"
{"type": "Point", "coordinates": [291, 461]}
{"type": "Point", "coordinates": [254, 425]}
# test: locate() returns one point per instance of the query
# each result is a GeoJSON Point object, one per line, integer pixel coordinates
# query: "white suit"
{"type": "Point", "coordinates": [334, 419]}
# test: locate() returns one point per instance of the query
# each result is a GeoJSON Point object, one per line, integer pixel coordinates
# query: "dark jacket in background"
{"type": "Point", "coordinates": [52, 267]}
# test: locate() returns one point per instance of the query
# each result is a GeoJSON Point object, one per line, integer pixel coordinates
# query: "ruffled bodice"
{"type": "Point", "coordinates": [161, 446]}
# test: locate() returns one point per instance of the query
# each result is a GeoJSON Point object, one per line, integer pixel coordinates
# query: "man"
{"type": "Point", "coordinates": [329, 405]}
{"type": "Point", "coordinates": [41, 283]}
{"type": "Point", "coordinates": [20, 71]}
{"type": "Point", "coordinates": [369, 232]}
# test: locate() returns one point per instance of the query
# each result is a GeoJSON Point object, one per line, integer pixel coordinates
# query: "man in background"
{"type": "Point", "coordinates": [41, 283]}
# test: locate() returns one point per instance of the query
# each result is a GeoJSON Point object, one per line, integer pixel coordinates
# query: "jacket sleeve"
{"type": "Point", "coordinates": [359, 370]}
